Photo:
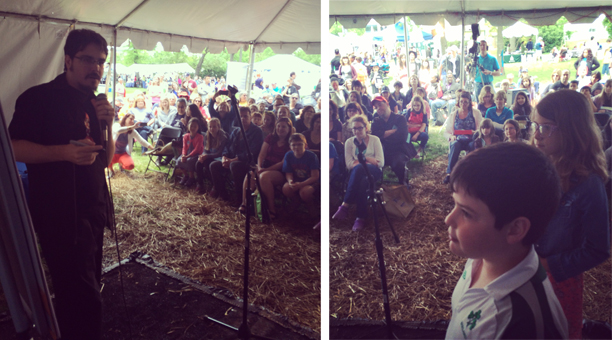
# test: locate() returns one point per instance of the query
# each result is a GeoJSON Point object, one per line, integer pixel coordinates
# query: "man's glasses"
{"type": "Point", "coordinates": [91, 61]}
{"type": "Point", "coordinates": [545, 130]}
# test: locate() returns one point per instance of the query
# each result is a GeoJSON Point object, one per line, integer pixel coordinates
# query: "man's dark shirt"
{"type": "Point", "coordinates": [287, 97]}
{"type": "Point", "coordinates": [61, 191]}
{"type": "Point", "coordinates": [396, 141]}
{"type": "Point", "coordinates": [558, 85]}
{"type": "Point", "coordinates": [235, 147]}
{"type": "Point", "coordinates": [335, 64]}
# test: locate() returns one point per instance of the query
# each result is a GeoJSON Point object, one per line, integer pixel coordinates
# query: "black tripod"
{"type": "Point", "coordinates": [244, 332]}
{"type": "Point", "coordinates": [376, 199]}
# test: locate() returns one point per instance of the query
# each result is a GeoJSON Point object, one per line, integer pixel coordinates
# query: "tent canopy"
{"type": "Point", "coordinates": [34, 31]}
{"type": "Point", "coordinates": [498, 13]}
{"type": "Point", "coordinates": [519, 30]}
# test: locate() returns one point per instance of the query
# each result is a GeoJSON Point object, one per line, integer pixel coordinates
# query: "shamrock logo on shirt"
{"type": "Point", "coordinates": [472, 318]}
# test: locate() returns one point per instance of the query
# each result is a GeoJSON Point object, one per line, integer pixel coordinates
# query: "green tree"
{"type": "Point", "coordinates": [608, 25]}
{"type": "Point", "coordinates": [311, 58]}
{"type": "Point", "coordinates": [552, 35]}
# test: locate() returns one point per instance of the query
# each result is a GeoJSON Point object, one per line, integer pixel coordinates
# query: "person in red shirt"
{"type": "Point", "coordinates": [417, 123]}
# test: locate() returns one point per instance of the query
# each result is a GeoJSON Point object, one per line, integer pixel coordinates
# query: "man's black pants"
{"type": "Point", "coordinates": [76, 271]}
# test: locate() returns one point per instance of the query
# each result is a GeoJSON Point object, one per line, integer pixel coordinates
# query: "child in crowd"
{"type": "Point", "coordinates": [417, 123]}
{"type": "Point", "coordinates": [527, 84]}
{"type": "Point", "coordinates": [485, 136]}
{"type": "Point", "coordinates": [269, 122]}
{"type": "Point", "coordinates": [301, 168]}
{"type": "Point", "coordinates": [578, 237]}
{"type": "Point", "coordinates": [193, 145]}
{"type": "Point", "coordinates": [499, 113]}
{"type": "Point", "coordinates": [512, 132]}
{"type": "Point", "coordinates": [503, 292]}
{"type": "Point", "coordinates": [214, 143]}
{"type": "Point", "coordinates": [124, 136]}
{"type": "Point", "coordinates": [257, 118]}
{"type": "Point", "coordinates": [574, 85]}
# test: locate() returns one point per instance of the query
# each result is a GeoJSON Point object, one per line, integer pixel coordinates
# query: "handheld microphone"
{"type": "Point", "coordinates": [361, 147]}
{"type": "Point", "coordinates": [103, 126]}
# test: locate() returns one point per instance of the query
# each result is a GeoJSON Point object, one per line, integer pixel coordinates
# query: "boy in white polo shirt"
{"type": "Point", "coordinates": [504, 196]}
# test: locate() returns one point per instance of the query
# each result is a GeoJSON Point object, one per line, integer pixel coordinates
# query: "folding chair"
{"type": "Point", "coordinates": [167, 135]}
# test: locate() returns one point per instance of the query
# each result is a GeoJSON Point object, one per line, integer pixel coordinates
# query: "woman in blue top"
{"type": "Point", "coordinates": [578, 237]}
{"type": "Point", "coordinates": [499, 113]}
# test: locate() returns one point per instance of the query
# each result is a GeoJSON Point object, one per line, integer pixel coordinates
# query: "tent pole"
{"type": "Point", "coordinates": [462, 50]}
{"type": "Point", "coordinates": [250, 70]}
{"type": "Point", "coordinates": [406, 50]}
{"type": "Point", "coordinates": [114, 67]}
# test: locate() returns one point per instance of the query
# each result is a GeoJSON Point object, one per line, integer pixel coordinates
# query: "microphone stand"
{"type": "Point", "coordinates": [244, 332]}
{"type": "Point", "coordinates": [376, 199]}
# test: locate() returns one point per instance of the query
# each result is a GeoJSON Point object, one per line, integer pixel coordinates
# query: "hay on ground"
{"type": "Point", "coordinates": [203, 238]}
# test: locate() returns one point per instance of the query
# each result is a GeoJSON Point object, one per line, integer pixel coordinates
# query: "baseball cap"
{"type": "Point", "coordinates": [385, 89]}
{"type": "Point", "coordinates": [525, 70]}
{"type": "Point", "coordinates": [379, 99]}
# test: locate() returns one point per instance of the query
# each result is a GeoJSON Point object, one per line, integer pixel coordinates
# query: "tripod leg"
{"type": "Point", "coordinates": [384, 210]}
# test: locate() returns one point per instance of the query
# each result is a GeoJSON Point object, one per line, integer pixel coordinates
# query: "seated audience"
{"type": "Point", "coordinates": [193, 145]}
{"type": "Point", "coordinates": [257, 118]}
{"type": "Point", "coordinates": [124, 136]}
{"type": "Point", "coordinates": [485, 136]}
{"type": "Point", "coordinates": [586, 91]}
{"type": "Point", "coordinates": [460, 127]}
{"type": "Point", "coordinates": [269, 122]}
{"type": "Point", "coordinates": [371, 148]}
{"type": "Point", "coordinates": [335, 126]}
{"type": "Point", "coordinates": [269, 165]}
{"type": "Point", "coordinates": [485, 99]}
{"type": "Point", "coordinates": [303, 122]}
{"type": "Point", "coordinates": [499, 113]}
{"type": "Point", "coordinates": [417, 123]}
{"type": "Point", "coordinates": [392, 131]}
{"type": "Point", "coordinates": [352, 110]}
{"type": "Point", "coordinates": [144, 117]}
{"type": "Point", "coordinates": [214, 143]}
{"type": "Point", "coordinates": [512, 131]}
{"type": "Point", "coordinates": [222, 110]}
{"type": "Point", "coordinates": [302, 171]}
{"type": "Point", "coordinates": [313, 135]}
{"type": "Point", "coordinates": [235, 157]}
{"type": "Point", "coordinates": [605, 97]}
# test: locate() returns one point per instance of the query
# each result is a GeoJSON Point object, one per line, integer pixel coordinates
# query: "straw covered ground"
{"type": "Point", "coordinates": [421, 271]}
{"type": "Point", "coordinates": [203, 238]}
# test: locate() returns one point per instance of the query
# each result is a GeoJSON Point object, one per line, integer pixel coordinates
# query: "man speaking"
{"type": "Point", "coordinates": [64, 135]}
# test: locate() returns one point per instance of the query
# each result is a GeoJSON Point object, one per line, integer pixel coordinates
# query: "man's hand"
{"type": "Point", "coordinates": [295, 185]}
{"type": "Point", "coordinates": [104, 111]}
{"type": "Point", "coordinates": [81, 155]}
{"type": "Point", "coordinates": [389, 133]}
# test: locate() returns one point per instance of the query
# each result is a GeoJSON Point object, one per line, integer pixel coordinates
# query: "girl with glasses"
{"type": "Point", "coordinates": [578, 237]}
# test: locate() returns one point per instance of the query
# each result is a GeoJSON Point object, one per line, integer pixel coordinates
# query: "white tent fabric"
{"type": "Point", "coordinates": [356, 14]}
{"type": "Point", "coordinates": [277, 69]}
{"type": "Point", "coordinates": [519, 30]}
{"type": "Point", "coordinates": [34, 31]}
